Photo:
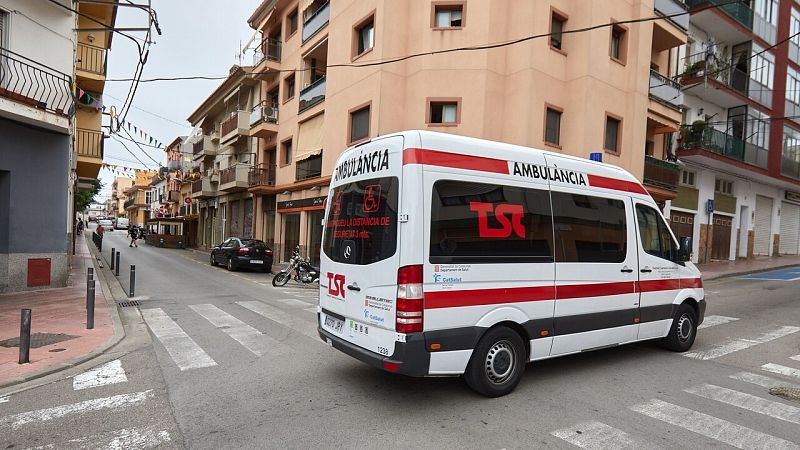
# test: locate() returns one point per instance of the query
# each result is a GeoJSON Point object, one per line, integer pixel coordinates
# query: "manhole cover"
{"type": "Point", "coordinates": [127, 304]}
{"type": "Point", "coordinates": [39, 340]}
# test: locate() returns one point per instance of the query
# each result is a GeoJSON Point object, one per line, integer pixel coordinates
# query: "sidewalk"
{"type": "Point", "coordinates": [56, 311]}
{"type": "Point", "coordinates": [721, 269]}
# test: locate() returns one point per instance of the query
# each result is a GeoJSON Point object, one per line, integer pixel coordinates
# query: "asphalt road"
{"type": "Point", "coordinates": [224, 360]}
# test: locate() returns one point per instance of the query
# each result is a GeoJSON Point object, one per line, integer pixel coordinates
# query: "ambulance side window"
{"type": "Point", "coordinates": [654, 234]}
{"type": "Point", "coordinates": [589, 229]}
{"type": "Point", "coordinates": [476, 223]}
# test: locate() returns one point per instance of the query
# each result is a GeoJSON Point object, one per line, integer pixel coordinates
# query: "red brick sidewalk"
{"type": "Point", "coordinates": [61, 310]}
{"type": "Point", "coordinates": [743, 266]}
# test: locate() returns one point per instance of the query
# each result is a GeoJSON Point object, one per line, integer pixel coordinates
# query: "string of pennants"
{"type": "Point", "coordinates": [163, 174]}
{"type": "Point", "coordinates": [117, 124]}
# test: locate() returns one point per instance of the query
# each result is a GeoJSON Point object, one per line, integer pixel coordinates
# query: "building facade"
{"type": "Point", "coordinates": [739, 194]}
{"type": "Point", "coordinates": [118, 197]}
{"type": "Point", "coordinates": [138, 198]}
{"type": "Point", "coordinates": [604, 91]}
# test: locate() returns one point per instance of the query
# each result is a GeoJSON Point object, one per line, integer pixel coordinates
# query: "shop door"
{"type": "Point", "coordinates": [721, 239]}
{"type": "Point", "coordinates": [763, 225]}
{"type": "Point", "coordinates": [291, 234]}
{"type": "Point", "coordinates": [314, 235]}
{"type": "Point", "coordinates": [790, 229]}
{"type": "Point", "coordinates": [682, 224]}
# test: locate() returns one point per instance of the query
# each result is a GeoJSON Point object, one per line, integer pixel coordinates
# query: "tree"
{"type": "Point", "coordinates": [83, 199]}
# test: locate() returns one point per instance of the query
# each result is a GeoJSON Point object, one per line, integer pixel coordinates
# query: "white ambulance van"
{"type": "Point", "coordinates": [444, 255]}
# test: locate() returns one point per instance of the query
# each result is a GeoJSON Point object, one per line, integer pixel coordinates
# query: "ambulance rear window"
{"type": "Point", "coordinates": [361, 226]}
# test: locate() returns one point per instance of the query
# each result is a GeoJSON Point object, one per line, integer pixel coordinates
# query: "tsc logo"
{"type": "Point", "coordinates": [501, 213]}
{"type": "Point", "coordinates": [336, 284]}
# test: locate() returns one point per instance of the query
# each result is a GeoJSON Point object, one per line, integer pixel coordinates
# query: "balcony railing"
{"type": "Point", "coordinates": [316, 21]}
{"type": "Point", "coordinates": [264, 112]}
{"type": "Point", "coordinates": [27, 81]}
{"type": "Point", "coordinates": [89, 143]}
{"type": "Point", "coordinates": [665, 89]}
{"type": "Point", "coordinates": [237, 121]}
{"type": "Point", "coordinates": [312, 95]}
{"type": "Point", "coordinates": [261, 175]}
{"type": "Point", "coordinates": [129, 203]}
{"type": "Point", "coordinates": [269, 50]}
{"type": "Point", "coordinates": [738, 10]}
{"type": "Point", "coordinates": [724, 71]}
{"type": "Point", "coordinates": [91, 59]}
{"type": "Point", "coordinates": [663, 174]}
{"type": "Point", "coordinates": [724, 144]}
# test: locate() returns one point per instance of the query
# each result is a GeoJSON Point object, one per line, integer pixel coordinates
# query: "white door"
{"type": "Point", "coordinates": [790, 229]}
{"type": "Point", "coordinates": [763, 225]}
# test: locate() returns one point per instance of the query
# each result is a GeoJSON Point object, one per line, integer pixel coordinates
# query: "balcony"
{"type": "Point", "coordinates": [316, 21]}
{"type": "Point", "coordinates": [236, 125]}
{"type": "Point", "coordinates": [204, 147]}
{"type": "Point", "coordinates": [234, 178]}
{"type": "Point", "coordinates": [715, 141]}
{"type": "Point", "coordinates": [90, 67]}
{"type": "Point", "coordinates": [728, 85]}
{"type": "Point", "coordinates": [203, 188]}
{"type": "Point", "coordinates": [30, 83]}
{"type": "Point", "coordinates": [264, 120]}
{"type": "Point", "coordinates": [261, 177]}
{"type": "Point", "coordinates": [173, 197]}
{"type": "Point", "coordinates": [661, 174]}
{"type": "Point", "coordinates": [267, 60]}
{"type": "Point", "coordinates": [312, 95]}
{"type": "Point", "coordinates": [739, 11]}
{"type": "Point", "coordinates": [138, 200]}
{"type": "Point", "coordinates": [669, 7]}
{"type": "Point", "coordinates": [665, 90]}
{"type": "Point", "coordinates": [89, 147]}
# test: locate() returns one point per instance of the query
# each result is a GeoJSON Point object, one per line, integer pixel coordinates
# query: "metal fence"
{"type": "Point", "coordinates": [37, 85]}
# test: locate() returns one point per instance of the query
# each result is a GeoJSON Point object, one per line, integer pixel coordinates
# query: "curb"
{"type": "Point", "coordinates": [119, 331]}
{"type": "Point", "coordinates": [749, 272]}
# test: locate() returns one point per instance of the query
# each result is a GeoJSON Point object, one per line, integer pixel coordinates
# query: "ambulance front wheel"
{"type": "Point", "coordinates": [683, 330]}
{"type": "Point", "coordinates": [497, 363]}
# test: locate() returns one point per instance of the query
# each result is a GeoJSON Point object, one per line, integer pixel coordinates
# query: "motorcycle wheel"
{"type": "Point", "coordinates": [280, 279]}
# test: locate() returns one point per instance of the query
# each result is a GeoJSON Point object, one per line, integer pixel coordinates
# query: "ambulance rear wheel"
{"type": "Point", "coordinates": [683, 330]}
{"type": "Point", "coordinates": [497, 363]}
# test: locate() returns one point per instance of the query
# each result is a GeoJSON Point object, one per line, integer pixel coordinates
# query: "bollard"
{"type": "Point", "coordinates": [89, 273]}
{"type": "Point", "coordinates": [25, 336]}
{"type": "Point", "coordinates": [90, 305]}
{"type": "Point", "coordinates": [113, 250]}
{"type": "Point", "coordinates": [116, 267]}
{"type": "Point", "coordinates": [133, 280]}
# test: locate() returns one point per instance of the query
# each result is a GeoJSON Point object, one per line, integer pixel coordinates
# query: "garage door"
{"type": "Point", "coordinates": [721, 237]}
{"type": "Point", "coordinates": [762, 225]}
{"type": "Point", "coordinates": [790, 229]}
{"type": "Point", "coordinates": [682, 224]}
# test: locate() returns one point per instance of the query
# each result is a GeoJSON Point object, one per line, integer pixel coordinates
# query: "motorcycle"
{"type": "Point", "coordinates": [298, 268]}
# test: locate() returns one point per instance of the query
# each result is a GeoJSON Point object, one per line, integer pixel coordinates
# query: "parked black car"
{"type": "Point", "coordinates": [236, 253]}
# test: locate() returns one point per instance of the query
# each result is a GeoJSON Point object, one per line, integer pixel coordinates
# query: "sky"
{"type": "Point", "coordinates": [200, 37]}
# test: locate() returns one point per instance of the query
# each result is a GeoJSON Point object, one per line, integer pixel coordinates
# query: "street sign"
{"type": "Point", "coordinates": [188, 200]}
{"type": "Point", "coordinates": [710, 206]}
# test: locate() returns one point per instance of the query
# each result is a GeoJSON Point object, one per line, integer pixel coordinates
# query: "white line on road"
{"type": "Point", "coordinates": [97, 404]}
{"type": "Point", "coordinates": [761, 380]}
{"type": "Point", "coordinates": [283, 318]}
{"type": "Point", "coordinates": [3, 399]}
{"type": "Point", "coordinates": [782, 370]}
{"type": "Point", "coordinates": [252, 339]}
{"type": "Point", "coordinates": [795, 357]}
{"type": "Point", "coordinates": [293, 302]}
{"type": "Point", "coordinates": [747, 401]}
{"type": "Point", "coordinates": [181, 348]}
{"type": "Point", "coordinates": [119, 439]}
{"type": "Point", "coordinates": [735, 345]}
{"type": "Point", "coordinates": [109, 373]}
{"type": "Point", "coordinates": [598, 436]}
{"type": "Point", "coordinates": [712, 427]}
{"type": "Point", "coordinates": [712, 321]}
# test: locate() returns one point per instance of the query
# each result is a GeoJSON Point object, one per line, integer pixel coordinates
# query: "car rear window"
{"type": "Point", "coordinates": [361, 225]}
{"type": "Point", "coordinates": [253, 243]}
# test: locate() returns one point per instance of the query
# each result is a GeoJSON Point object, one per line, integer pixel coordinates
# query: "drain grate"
{"type": "Point", "coordinates": [39, 340]}
{"type": "Point", "coordinates": [127, 304]}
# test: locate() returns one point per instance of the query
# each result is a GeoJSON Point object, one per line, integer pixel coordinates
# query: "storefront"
{"type": "Point", "coordinates": [299, 223]}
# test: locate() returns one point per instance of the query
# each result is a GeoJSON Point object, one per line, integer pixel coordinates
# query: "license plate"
{"type": "Point", "coordinates": [334, 324]}
{"type": "Point", "coordinates": [256, 261]}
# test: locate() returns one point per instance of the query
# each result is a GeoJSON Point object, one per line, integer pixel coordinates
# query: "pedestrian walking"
{"type": "Point", "coordinates": [100, 230]}
{"type": "Point", "coordinates": [133, 233]}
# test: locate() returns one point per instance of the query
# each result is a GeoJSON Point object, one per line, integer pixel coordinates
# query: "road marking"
{"type": "Point", "coordinates": [183, 350]}
{"type": "Point", "coordinates": [795, 357]}
{"type": "Point", "coordinates": [283, 318]}
{"type": "Point", "coordinates": [735, 345]}
{"type": "Point", "coordinates": [97, 404]}
{"type": "Point", "coordinates": [761, 380]}
{"type": "Point", "coordinates": [782, 370]}
{"type": "Point", "coordinates": [252, 339]}
{"type": "Point", "coordinates": [3, 399]}
{"type": "Point", "coordinates": [119, 439]}
{"type": "Point", "coordinates": [292, 302]}
{"type": "Point", "coordinates": [747, 401]}
{"type": "Point", "coordinates": [311, 309]}
{"type": "Point", "coordinates": [712, 427]}
{"type": "Point", "coordinates": [597, 436]}
{"type": "Point", "coordinates": [712, 321]}
{"type": "Point", "coordinates": [109, 373]}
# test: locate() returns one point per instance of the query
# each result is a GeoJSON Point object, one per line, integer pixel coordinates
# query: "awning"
{"type": "Point", "coordinates": [304, 4]}
{"type": "Point", "coordinates": [266, 19]}
{"type": "Point", "coordinates": [309, 138]}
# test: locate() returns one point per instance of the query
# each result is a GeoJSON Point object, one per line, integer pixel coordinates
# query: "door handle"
{"type": "Point", "coordinates": [626, 270]}
{"type": "Point", "coordinates": [646, 270]}
{"type": "Point", "coordinates": [353, 287]}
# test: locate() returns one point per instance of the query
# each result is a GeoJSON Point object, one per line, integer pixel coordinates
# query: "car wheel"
{"type": "Point", "coordinates": [213, 260]}
{"type": "Point", "coordinates": [230, 266]}
{"type": "Point", "coordinates": [683, 330]}
{"type": "Point", "coordinates": [497, 363]}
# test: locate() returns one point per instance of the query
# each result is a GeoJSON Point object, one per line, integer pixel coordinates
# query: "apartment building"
{"type": "Point", "coordinates": [36, 111]}
{"type": "Point", "coordinates": [118, 196]}
{"type": "Point", "coordinates": [604, 91]}
{"type": "Point", "coordinates": [739, 192]}
{"type": "Point", "coordinates": [138, 198]}
{"type": "Point", "coordinates": [223, 154]}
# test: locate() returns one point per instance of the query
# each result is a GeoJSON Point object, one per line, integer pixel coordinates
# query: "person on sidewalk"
{"type": "Point", "coordinates": [100, 230]}
{"type": "Point", "coordinates": [133, 233]}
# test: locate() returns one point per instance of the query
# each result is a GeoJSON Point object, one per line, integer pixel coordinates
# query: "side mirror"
{"type": "Point", "coordinates": [685, 251]}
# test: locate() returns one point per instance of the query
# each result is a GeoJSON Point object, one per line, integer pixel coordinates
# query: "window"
{"type": "Point", "coordinates": [288, 88]}
{"type": "Point", "coordinates": [762, 67]}
{"type": "Point", "coordinates": [359, 124]}
{"type": "Point", "coordinates": [613, 128]}
{"type": "Point", "coordinates": [557, 22]}
{"type": "Point", "coordinates": [552, 126]}
{"type": "Point", "coordinates": [723, 186]}
{"type": "Point", "coordinates": [687, 178]}
{"type": "Point", "coordinates": [589, 229]}
{"type": "Point", "coordinates": [654, 234]}
{"type": "Point", "coordinates": [310, 167]}
{"type": "Point", "coordinates": [291, 22]}
{"type": "Point", "coordinates": [448, 15]}
{"type": "Point", "coordinates": [792, 86]}
{"type": "Point", "coordinates": [487, 223]}
{"type": "Point", "coordinates": [618, 43]}
{"type": "Point", "coordinates": [350, 240]}
{"type": "Point", "coordinates": [790, 154]}
{"type": "Point", "coordinates": [4, 25]}
{"type": "Point", "coordinates": [286, 151]}
{"type": "Point", "coordinates": [364, 36]}
{"type": "Point", "coordinates": [443, 112]}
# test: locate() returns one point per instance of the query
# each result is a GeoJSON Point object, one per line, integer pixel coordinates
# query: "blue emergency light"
{"type": "Point", "coordinates": [596, 156]}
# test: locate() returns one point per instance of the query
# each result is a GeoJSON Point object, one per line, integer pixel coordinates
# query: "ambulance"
{"type": "Point", "coordinates": [445, 255]}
